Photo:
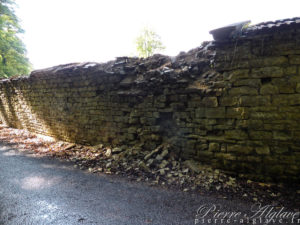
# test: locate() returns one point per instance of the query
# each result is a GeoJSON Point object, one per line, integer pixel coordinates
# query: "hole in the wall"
{"type": "Point", "coordinates": [266, 80]}
{"type": "Point", "coordinates": [167, 124]}
{"type": "Point", "coordinates": [99, 92]}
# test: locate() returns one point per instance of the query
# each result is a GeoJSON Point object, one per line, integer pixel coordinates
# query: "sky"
{"type": "Point", "coordinates": [66, 31]}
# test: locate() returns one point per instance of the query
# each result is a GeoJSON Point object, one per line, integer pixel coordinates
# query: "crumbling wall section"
{"type": "Point", "coordinates": [234, 105]}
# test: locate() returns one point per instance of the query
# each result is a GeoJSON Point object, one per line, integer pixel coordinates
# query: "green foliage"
{"type": "Point", "coordinates": [12, 50]}
{"type": "Point", "coordinates": [148, 43]}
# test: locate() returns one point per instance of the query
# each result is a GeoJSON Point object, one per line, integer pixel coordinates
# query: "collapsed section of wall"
{"type": "Point", "coordinates": [233, 104]}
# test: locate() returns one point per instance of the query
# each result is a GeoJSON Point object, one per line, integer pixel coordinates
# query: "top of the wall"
{"type": "Point", "coordinates": [130, 73]}
{"type": "Point", "coordinates": [272, 26]}
{"type": "Point", "coordinates": [242, 30]}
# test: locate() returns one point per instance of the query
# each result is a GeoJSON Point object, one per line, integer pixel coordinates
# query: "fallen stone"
{"type": "Point", "coordinates": [158, 149]}
{"type": "Point", "coordinates": [108, 152]}
{"type": "Point", "coordinates": [69, 146]}
{"type": "Point", "coordinates": [163, 164]}
{"type": "Point", "coordinates": [162, 172]}
{"type": "Point", "coordinates": [193, 166]}
{"type": "Point", "coordinates": [144, 167]}
{"type": "Point", "coordinates": [117, 150]}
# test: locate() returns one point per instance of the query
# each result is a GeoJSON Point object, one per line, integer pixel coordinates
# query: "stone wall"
{"type": "Point", "coordinates": [234, 104]}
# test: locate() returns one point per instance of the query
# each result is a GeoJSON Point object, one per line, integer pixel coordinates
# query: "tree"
{"type": "Point", "coordinates": [148, 43]}
{"type": "Point", "coordinates": [13, 59]}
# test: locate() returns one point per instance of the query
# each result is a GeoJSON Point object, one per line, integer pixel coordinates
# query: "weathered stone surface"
{"type": "Point", "coordinates": [215, 112]}
{"type": "Point", "coordinates": [268, 89]}
{"type": "Point", "coordinates": [193, 166]}
{"type": "Point", "coordinates": [235, 134]}
{"type": "Point", "coordinates": [265, 150]}
{"type": "Point", "coordinates": [248, 82]}
{"type": "Point", "coordinates": [255, 100]}
{"type": "Point", "coordinates": [242, 91]}
{"type": "Point", "coordinates": [291, 99]}
{"type": "Point", "coordinates": [294, 59]}
{"type": "Point", "coordinates": [282, 135]}
{"type": "Point", "coordinates": [229, 101]}
{"type": "Point", "coordinates": [298, 88]}
{"type": "Point", "coordinates": [237, 112]}
{"type": "Point", "coordinates": [214, 147]}
{"type": "Point", "coordinates": [210, 101]}
{"type": "Point", "coordinates": [240, 149]}
{"type": "Point", "coordinates": [269, 61]}
{"type": "Point", "coordinates": [217, 104]}
{"type": "Point", "coordinates": [260, 135]}
{"type": "Point", "coordinates": [267, 72]}
{"type": "Point", "coordinates": [238, 74]}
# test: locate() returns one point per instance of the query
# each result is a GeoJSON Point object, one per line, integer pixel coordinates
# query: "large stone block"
{"type": "Point", "coordinates": [298, 88]}
{"type": "Point", "coordinates": [218, 112]}
{"type": "Point", "coordinates": [237, 112]}
{"type": "Point", "coordinates": [230, 101]}
{"type": "Point", "coordinates": [294, 59]}
{"type": "Point", "coordinates": [240, 149]}
{"type": "Point", "coordinates": [244, 90]}
{"type": "Point", "coordinates": [267, 72]}
{"type": "Point", "coordinates": [214, 147]}
{"type": "Point", "coordinates": [269, 89]}
{"type": "Point", "coordinates": [286, 99]}
{"type": "Point", "coordinates": [226, 156]}
{"type": "Point", "coordinates": [260, 135]}
{"type": "Point", "coordinates": [238, 74]}
{"type": "Point", "coordinates": [209, 101]}
{"type": "Point", "coordinates": [247, 82]}
{"type": "Point", "coordinates": [265, 150]}
{"type": "Point", "coordinates": [282, 135]}
{"type": "Point", "coordinates": [269, 61]}
{"type": "Point", "coordinates": [235, 134]}
{"type": "Point", "coordinates": [255, 100]}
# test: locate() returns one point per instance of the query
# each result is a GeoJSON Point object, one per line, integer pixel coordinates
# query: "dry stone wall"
{"type": "Point", "coordinates": [234, 104]}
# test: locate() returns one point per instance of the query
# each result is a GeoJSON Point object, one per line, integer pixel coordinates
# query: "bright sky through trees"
{"type": "Point", "coordinates": [64, 31]}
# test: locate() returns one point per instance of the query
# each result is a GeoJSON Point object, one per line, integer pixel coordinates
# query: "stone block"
{"type": "Point", "coordinates": [226, 156]}
{"type": "Point", "coordinates": [247, 82]}
{"type": "Point", "coordinates": [265, 150]}
{"type": "Point", "coordinates": [218, 112]}
{"type": "Point", "coordinates": [244, 90]}
{"type": "Point", "coordinates": [255, 100]}
{"type": "Point", "coordinates": [238, 74]}
{"type": "Point", "coordinates": [235, 134]}
{"type": "Point", "coordinates": [290, 70]}
{"type": "Point", "coordinates": [230, 101]}
{"type": "Point", "coordinates": [298, 88]}
{"type": "Point", "coordinates": [269, 61]}
{"type": "Point", "coordinates": [286, 99]}
{"type": "Point", "coordinates": [260, 135]}
{"type": "Point", "coordinates": [209, 101]}
{"type": "Point", "coordinates": [282, 135]}
{"type": "Point", "coordinates": [240, 149]}
{"type": "Point", "coordinates": [214, 147]}
{"type": "Point", "coordinates": [294, 59]}
{"type": "Point", "coordinates": [237, 112]}
{"type": "Point", "coordinates": [267, 89]}
{"type": "Point", "coordinates": [200, 112]}
{"type": "Point", "coordinates": [249, 123]}
{"type": "Point", "coordinates": [267, 72]}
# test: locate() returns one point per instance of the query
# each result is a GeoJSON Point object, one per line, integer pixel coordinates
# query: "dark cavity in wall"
{"type": "Point", "coordinates": [167, 124]}
{"type": "Point", "coordinates": [266, 80]}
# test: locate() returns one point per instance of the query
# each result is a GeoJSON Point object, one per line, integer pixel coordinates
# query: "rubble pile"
{"type": "Point", "coordinates": [159, 167]}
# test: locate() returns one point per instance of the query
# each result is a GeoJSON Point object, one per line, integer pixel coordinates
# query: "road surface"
{"type": "Point", "coordinates": [41, 190]}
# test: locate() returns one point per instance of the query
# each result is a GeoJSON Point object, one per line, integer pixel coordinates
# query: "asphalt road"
{"type": "Point", "coordinates": [40, 191]}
